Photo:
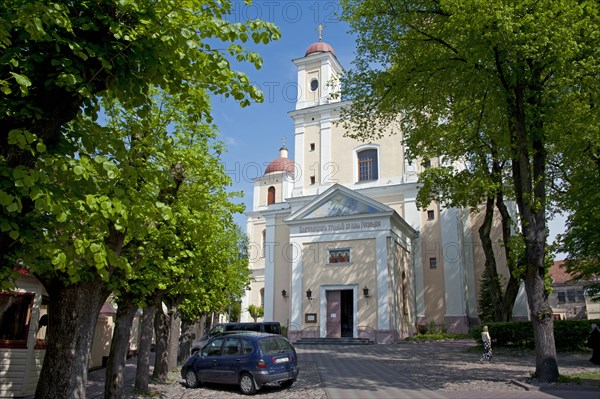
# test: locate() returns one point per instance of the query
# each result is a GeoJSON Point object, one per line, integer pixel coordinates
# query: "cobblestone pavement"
{"type": "Point", "coordinates": [447, 369]}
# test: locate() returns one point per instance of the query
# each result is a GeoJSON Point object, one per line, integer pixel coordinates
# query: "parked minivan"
{"type": "Point", "coordinates": [270, 327]}
{"type": "Point", "coordinates": [245, 358]}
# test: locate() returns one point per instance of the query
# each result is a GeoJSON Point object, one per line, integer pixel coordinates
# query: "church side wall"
{"type": "Point", "coordinates": [431, 247]}
{"type": "Point", "coordinates": [404, 295]}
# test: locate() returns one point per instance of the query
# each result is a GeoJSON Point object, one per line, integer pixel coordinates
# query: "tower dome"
{"type": "Point", "coordinates": [281, 164]}
{"type": "Point", "coordinates": [319, 47]}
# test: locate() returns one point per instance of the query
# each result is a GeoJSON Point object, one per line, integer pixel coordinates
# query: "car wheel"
{"type": "Point", "coordinates": [191, 379]}
{"type": "Point", "coordinates": [247, 385]}
{"type": "Point", "coordinates": [287, 383]}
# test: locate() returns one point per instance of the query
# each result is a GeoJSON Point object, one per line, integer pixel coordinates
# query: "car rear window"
{"type": "Point", "coordinates": [273, 345]}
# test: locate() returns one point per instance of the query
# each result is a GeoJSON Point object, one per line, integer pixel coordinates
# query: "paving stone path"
{"type": "Point", "coordinates": [436, 370]}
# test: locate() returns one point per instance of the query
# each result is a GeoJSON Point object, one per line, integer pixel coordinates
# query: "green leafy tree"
{"type": "Point", "coordinates": [576, 165]}
{"type": "Point", "coordinates": [70, 197]}
{"type": "Point", "coordinates": [506, 64]}
{"type": "Point", "coordinates": [256, 311]}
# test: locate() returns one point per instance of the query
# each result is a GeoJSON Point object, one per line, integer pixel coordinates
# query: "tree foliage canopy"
{"type": "Point", "coordinates": [476, 80]}
{"type": "Point", "coordinates": [62, 59]}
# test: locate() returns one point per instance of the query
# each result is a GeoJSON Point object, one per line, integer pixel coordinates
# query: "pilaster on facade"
{"type": "Point", "coordinates": [454, 283]}
{"type": "Point", "coordinates": [296, 296]}
{"type": "Point", "coordinates": [299, 159]}
{"type": "Point", "coordinates": [383, 303]}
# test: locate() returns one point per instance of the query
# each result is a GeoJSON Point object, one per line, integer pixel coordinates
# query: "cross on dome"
{"type": "Point", "coordinates": [320, 29]}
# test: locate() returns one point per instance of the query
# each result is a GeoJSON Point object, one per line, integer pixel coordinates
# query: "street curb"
{"type": "Point", "coordinates": [524, 385]}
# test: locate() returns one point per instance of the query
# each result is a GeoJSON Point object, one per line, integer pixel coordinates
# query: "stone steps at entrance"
{"type": "Point", "coordinates": [334, 341]}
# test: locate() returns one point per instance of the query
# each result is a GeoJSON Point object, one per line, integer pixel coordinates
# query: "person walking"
{"type": "Point", "coordinates": [487, 345]}
{"type": "Point", "coordinates": [594, 343]}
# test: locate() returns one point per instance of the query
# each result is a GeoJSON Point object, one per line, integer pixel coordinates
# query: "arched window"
{"type": "Point", "coordinates": [367, 165]}
{"type": "Point", "coordinates": [264, 242]}
{"type": "Point", "coordinates": [271, 196]}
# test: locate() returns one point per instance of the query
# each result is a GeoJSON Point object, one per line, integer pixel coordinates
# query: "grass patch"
{"type": "Point", "coordinates": [436, 337]}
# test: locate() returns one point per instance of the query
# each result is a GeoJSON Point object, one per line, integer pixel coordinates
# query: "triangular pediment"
{"type": "Point", "coordinates": [339, 201]}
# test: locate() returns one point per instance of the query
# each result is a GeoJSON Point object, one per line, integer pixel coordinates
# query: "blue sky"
{"type": "Point", "coordinates": [253, 135]}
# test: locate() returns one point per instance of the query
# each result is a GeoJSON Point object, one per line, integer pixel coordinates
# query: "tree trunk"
{"type": "Point", "coordinates": [142, 372]}
{"type": "Point", "coordinates": [161, 332]}
{"type": "Point", "coordinates": [493, 283]}
{"type": "Point", "coordinates": [189, 333]}
{"type": "Point", "coordinates": [529, 177]}
{"type": "Point", "coordinates": [174, 333]}
{"type": "Point", "coordinates": [119, 346]}
{"type": "Point", "coordinates": [73, 312]}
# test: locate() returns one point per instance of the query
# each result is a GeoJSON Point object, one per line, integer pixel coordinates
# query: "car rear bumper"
{"type": "Point", "coordinates": [263, 377]}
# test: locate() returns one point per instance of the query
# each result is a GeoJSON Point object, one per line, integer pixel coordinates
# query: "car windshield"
{"type": "Point", "coordinates": [216, 330]}
{"type": "Point", "coordinates": [271, 345]}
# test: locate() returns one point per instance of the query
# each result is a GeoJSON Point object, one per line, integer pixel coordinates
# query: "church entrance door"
{"type": "Point", "coordinates": [340, 313]}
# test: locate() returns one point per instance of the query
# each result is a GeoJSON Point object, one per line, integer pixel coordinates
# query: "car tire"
{"type": "Point", "coordinates": [287, 383]}
{"type": "Point", "coordinates": [191, 379]}
{"type": "Point", "coordinates": [247, 385]}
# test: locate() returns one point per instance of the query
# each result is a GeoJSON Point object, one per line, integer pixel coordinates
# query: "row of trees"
{"type": "Point", "coordinates": [505, 93]}
{"type": "Point", "coordinates": [110, 175]}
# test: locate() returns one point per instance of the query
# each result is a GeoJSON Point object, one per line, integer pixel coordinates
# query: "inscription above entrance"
{"type": "Point", "coordinates": [343, 226]}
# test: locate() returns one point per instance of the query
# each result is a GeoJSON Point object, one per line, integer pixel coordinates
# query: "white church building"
{"type": "Point", "coordinates": [338, 247]}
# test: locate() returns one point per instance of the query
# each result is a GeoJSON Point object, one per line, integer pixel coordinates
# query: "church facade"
{"type": "Point", "coordinates": [338, 247]}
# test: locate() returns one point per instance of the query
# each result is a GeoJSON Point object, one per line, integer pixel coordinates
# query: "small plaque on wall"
{"type": "Point", "coordinates": [310, 317]}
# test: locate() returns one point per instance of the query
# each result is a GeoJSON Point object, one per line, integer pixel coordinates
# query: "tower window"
{"type": "Point", "coordinates": [271, 196]}
{"type": "Point", "coordinates": [367, 165]}
{"type": "Point", "coordinates": [312, 146]}
{"type": "Point", "coordinates": [312, 180]}
{"type": "Point", "coordinates": [314, 85]}
{"type": "Point", "coordinates": [430, 215]}
{"type": "Point", "coordinates": [433, 263]}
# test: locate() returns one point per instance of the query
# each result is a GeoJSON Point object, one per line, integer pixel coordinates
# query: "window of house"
{"type": "Point", "coordinates": [433, 263]}
{"type": "Point", "coordinates": [367, 165]}
{"type": "Point", "coordinates": [312, 146]}
{"type": "Point", "coordinates": [561, 297]}
{"type": "Point", "coordinates": [271, 196]}
{"type": "Point", "coordinates": [571, 295]}
{"type": "Point", "coordinates": [580, 297]}
{"type": "Point", "coordinates": [15, 318]}
{"type": "Point", "coordinates": [430, 215]}
{"type": "Point", "coordinates": [426, 164]}
{"type": "Point", "coordinates": [338, 255]}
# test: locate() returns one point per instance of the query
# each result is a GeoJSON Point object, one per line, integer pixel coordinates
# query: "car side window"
{"type": "Point", "coordinates": [213, 348]}
{"type": "Point", "coordinates": [233, 346]}
{"type": "Point", "coordinates": [248, 346]}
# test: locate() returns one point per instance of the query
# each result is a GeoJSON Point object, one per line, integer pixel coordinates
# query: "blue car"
{"type": "Point", "coordinates": [247, 359]}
